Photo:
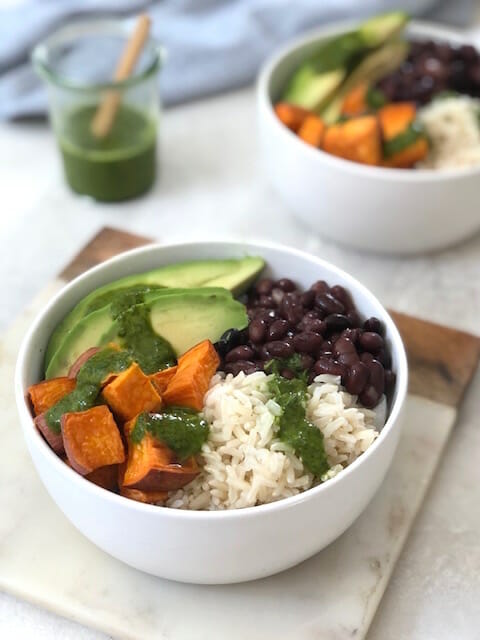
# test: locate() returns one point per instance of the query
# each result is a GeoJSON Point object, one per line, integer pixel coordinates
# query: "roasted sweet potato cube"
{"type": "Point", "coordinates": [131, 393]}
{"type": "Point", "coordinates": [291, 115]}
{"type": "Point", "coordinates": [312, 130]}
{"type": "Point", "coordinates": [47, 393]}
{"type": "Point", "coordinates": [105, 477]}
{"type": "Point", "coordinates": [409, 156]}
{"type": "Point", "coordinates": [55, 440]}
{"type": "Point", "coordinates": [358, 140]}
{"type": "Point", "coordinates": [396, 117]}
{"type": "Point", "coordinates": [91, 439]}
{"type": "Point", "coordinates": [195, 369]}
{"type": "Point", "coordinates": [162, 378]}
{"type": "Point", "coordinates": [151, 465]}
{"type": "Point", "coordinates": [148, 497]}
{"type": "Point", "coordinates": [355, 102]}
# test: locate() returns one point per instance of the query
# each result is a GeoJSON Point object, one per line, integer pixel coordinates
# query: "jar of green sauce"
{"type": "Point", "coordinates": [78, 63]}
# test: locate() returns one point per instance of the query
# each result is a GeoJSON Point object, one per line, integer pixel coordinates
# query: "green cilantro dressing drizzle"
{"type": "Point", "coordinates": [293, 427]}
{"type": "Point", "coordinates": [182, 429]}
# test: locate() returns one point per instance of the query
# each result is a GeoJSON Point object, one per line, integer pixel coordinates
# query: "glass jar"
{"type": "Point", "coordinates": [78, 63]}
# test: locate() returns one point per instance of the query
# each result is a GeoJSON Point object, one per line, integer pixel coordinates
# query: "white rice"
{"type": "Point", "coordinates": [244, 464]}
{"type": "Point", "coordinates": [452, 125]}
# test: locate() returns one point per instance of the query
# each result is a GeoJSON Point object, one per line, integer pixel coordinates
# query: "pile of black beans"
{"type": "Point", "coordinates": [322, 326]}
{"type": "Point", "coordinates": [431, 68]}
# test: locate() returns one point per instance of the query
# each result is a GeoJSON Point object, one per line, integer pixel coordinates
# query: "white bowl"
{"type": "Point", "coordinates": [368, 208]}
{"type": "Point", "coordinates": [209, 547]}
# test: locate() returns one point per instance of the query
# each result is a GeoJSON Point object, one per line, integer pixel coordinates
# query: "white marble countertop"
{"type": "Point", "coordinates": [211, 186]}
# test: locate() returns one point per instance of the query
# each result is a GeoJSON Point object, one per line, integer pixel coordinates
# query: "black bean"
{"type": "Point", "coordinates": [307, 299]}
{"type": "Point", "coordinates": [357, 378]}
{"type": "Point", "coordinates": [340, 293]}
{"type": "Point", "coordinates": [280, 348]}
{"type": "Point", "coordinates": [384, 358]}
{"type": "Point", "coordinates": [312, 315]}
{"type": "Point", "coordinates": [306, 361]}
{"type": "Point", "coordinates": [264, 353]}
{"type": "Point", "coordinates": [269, 315]}
{"type": "Point", "coordinates": [246, 366]}
{"type": "Point", "coordinates": [287, 373]}
{"type": "Point", "coordinates": [369, 397]}
{"type": "Point", "coordinates": [390, 378]}
{"type": "Point", "coordinates": [366, 357]}
{"type": "Point", "coordinates": [354, 318]}
{"type": "Point", "coordinates": [229, 340]}
{"type": "Point", "coordinates": [373, 324]}
{"type": "Point", "coordinates": [371, 342]}
{"type": "Point", "coordinates": [352, 334]}
{"type": "Point", "coordinates": [278, 329]}
{"type": "Point", "coordinates": [324, 365]}
{"type": "Point", "coordinates": [320, 287]}
{"type": "Point", "coordinates": [265, 301]}
{"type": "Point", "coordinates": [377, 375]}
{"type": "Point", "coordinates": [285, 284]}
{"type": "Point", "coordinates": [348, 358]}
{"type": "Point", "coordinates": [291, 309]}
{"type": "Point", "coordinates": [328, 304]}
{"type": "Point", "coordinates": [257, 330]}
{"type": "Point", "coordinates": [277, 295]}
{"type": "Point", "coordinates": [343, 345]}
{"type": "Point", "coordinates": [337, 322]}
{"type": "Point", "coordinates": [307, 342]}
{"type": "Point", "coordinates": [264, 286]}
{"type": "Point", "coordinates": [242, 352]}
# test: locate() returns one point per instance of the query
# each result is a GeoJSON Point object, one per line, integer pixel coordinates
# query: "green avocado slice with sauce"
{"type": "Point", "coordinates": [156, 331]}
{"type": "Point", "coordinates": [233, 274]}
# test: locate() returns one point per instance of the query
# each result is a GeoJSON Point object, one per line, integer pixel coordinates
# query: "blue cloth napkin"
{"type": "Point", "coordinates": [212, 45]}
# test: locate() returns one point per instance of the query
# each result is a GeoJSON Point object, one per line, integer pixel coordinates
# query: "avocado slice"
{"type": "Point", "coordinates": [311, 90]}
{"type": "Point", "coordinates": [377, 30]}
{"type": "Point", "coordinates": [316, 81]}
{"type": "Point", "coordinates": [233, 274]}
{"type": "Point", "coordinates": [183, 318]}
{"type": "Point", "coordinates": [376, 65]}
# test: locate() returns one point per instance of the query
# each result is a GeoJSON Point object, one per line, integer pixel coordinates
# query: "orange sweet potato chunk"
{"type": "Point", "coordinates": [55, 440]}
{"type": "Point", "coordinates": [105, 477]}
{"type": "Point", "coordinates": [151, 465]}
{"type": "Point", "coordinates": [131, 393]}
{"type": "Point", "coordinates": [162, 378]}
{"type": "Point", "coordinates": [291, 115]}
{"type": "Point", "coordinates": [192, 379]}
{"type": "Point", "coordinates": [147, 497]}
{"type": "Point", "coordinates": [91, 439]}
{"type": "Point", "coordinates": [358, 140]}
{"type": "Point", "coordinates": [47, 393]}
{"type": "Point", "coordinates": [396, 117]}
{"type": "Point", "coordinates": [410, 156]}
{"type": "Point", "coordinates": [312, 131]}
{"type": "Point", "coordinates": [354, 103]}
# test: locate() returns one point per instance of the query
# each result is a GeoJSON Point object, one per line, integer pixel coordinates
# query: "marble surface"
{"type": "Point", "coordinates": [211, 186]}
{"type": "Point", "coordinates": [44, 559]}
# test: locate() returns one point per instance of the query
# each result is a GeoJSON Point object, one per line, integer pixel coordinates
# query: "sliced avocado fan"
{"type": "Point", "coordinates": [233, 274]}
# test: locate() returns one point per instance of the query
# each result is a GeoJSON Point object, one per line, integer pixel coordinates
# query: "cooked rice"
{"type": "Point", "coordinates": [244, 464]}
{"type": "Point", "coordinates": [452, 125]}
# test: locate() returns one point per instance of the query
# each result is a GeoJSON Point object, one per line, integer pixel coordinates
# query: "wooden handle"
{"type": "Point", "coordinates": [104, 117]}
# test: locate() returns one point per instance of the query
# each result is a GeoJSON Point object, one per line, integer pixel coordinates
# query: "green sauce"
{"type": "Point", "coordinates": [294, 429]}
{"type": "Point", "coordinates": [403, 140]}
{"type": "Point", "coordinates": [89, 382]}
{"type": "Point", "coordinates": [151, 351]}
{"type": "Point", "coordinates": [180, 428]}
{"type": "Point", "coordinates": [123, 297]}
{"type": "Point", "coordinates": [117, 167]}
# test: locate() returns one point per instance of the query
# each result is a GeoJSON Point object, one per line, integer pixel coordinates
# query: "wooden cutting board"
{"type": "Point", "coordinates": [332, 596]}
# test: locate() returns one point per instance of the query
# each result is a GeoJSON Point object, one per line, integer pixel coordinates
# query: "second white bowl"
{"type": "Point", "coordinates": [368, 208]}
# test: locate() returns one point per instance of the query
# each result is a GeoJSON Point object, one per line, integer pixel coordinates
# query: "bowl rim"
{"type": "Point", "coordinates": [415, 28]}
{"type": "Point", "coordinates": [32, 435]}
